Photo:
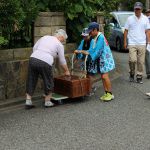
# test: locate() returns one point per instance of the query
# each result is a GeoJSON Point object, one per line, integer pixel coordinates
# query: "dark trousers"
{"type": "Point", "coordinates": [38, 68]}
{"type": "Point", "coordinates": [147, 62]}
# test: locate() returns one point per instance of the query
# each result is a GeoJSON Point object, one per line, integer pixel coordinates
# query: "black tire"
{"type": "Point", "coordinates": [118, 44]}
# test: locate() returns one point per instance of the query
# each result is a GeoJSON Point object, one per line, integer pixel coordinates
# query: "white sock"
{"type": "Point", "coordinates": [28, 102]}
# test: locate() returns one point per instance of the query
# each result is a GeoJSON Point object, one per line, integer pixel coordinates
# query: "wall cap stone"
{"type": "Point", "coordinates": [49, 14]}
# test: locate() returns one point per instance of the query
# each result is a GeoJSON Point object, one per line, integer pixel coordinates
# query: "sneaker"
{"type": "Point", "coordinates": [148, 94]}
{"type": "Point", "coordinates": [107, 97]}
{"type": "Point", "coordinates": [48, 104]}
{"type": "Point", "coordinates": [139, 79]}
{"type": "Point", "coordinates": [29, 104]}
{"type": "Point", "coordinates": [102, 97]}
{"type": "Point", "coordinates": [131, 78]}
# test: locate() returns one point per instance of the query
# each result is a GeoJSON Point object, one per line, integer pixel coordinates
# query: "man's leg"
{"type": "Point", "coordinates": [140, 62]}
{"type": "Point", "coordinates": [147, 64]}
{"type": "Point", "coordinates": [132, 62]}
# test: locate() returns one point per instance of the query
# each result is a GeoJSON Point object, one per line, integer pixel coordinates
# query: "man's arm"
{"type": "Point", "coordinates": [148, 36]}
{"type": "Point", "coordinates": [125, 38]}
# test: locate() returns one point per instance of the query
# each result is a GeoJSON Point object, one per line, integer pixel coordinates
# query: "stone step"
{"type": "Point", "coordinates": [15, 102]}
{"type": "Point", "coordinates": [17, 107]}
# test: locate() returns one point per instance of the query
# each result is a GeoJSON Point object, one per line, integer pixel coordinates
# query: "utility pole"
{"type": "Point", "coordinates": [147, 4]}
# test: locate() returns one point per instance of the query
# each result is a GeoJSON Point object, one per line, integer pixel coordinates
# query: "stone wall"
{"type": "Point", "coordinates": [47, 23]}
{"type": "Point", "coordinates": [14, 68]}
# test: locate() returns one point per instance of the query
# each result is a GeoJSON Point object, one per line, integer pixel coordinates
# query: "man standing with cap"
{"type": "Point", "coordinates": [136, 28]}
{"type": "Point", "coordinates": [147, 57]}
{"type": "Point", "coordinates": [100, 50]}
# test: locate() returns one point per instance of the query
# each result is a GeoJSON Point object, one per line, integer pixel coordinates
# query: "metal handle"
{"type": "Point", "coordinates": [72, 65]}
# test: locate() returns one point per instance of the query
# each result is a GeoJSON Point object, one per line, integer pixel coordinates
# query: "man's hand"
{"type": "Point", "coordinates": [125, 46]}
{"type": "Point", "coordinates": [125, 39]}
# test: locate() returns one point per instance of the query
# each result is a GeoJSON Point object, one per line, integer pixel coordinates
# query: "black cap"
{"type": "Point", "coordinates": [138, 5]}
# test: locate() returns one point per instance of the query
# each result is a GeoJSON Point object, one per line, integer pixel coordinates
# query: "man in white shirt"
{"type": "Point", "coordinates": [147, 57]}
{"type": "Point", "coordinates": [40, 63]}
{"type": "Point", "coordinates": [136, 29]}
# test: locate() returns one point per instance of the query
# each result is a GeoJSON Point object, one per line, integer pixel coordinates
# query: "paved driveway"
{"type": "Point", "coordinates": [90, 124]}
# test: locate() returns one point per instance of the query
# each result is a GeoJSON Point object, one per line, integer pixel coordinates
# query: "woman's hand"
{"type": "Point", "coordinates": [77, 51]}
{"type": "Point", "coordinates": [66, 70]}
{"type": "Point", "coordinates": [85, 52]}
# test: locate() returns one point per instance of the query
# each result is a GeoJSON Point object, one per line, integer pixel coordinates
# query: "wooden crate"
{"type": "Point", "coordinates": [72, 86]}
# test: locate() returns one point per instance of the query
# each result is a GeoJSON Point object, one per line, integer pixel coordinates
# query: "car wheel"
{"type": "Point", "coordinates": [118, 44]}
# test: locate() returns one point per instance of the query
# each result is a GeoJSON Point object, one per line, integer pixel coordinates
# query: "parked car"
{"type": "Point", "coordinates": [117, 23]}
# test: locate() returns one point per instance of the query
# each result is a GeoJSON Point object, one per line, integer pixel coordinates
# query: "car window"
{"type": "Point", "coordinates": [123, 18]}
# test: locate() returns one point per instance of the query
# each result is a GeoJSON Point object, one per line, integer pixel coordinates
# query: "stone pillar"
{"type": "Point", "coordinates": [47, 22]}
{"type": "Point", "coordinates": [147, 4]}
{"type": "Point", "coordinates": [100, 20]}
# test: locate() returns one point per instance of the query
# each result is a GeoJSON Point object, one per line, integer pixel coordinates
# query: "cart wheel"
{"type": "Point", "coordinates": [83, 97]}
{"type": "Point", "coordinates": [61, 102]}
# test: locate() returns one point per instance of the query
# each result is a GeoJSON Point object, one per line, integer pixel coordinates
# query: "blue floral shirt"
{"type": "Point", "coordinates": [100, 49]}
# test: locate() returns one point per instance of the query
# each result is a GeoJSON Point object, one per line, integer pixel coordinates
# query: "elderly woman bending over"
{"type": "Point", "coordinates": [40, 63]}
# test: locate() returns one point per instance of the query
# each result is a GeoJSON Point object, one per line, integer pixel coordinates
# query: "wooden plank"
{"type": "Point", "coordinates": [56, 96]}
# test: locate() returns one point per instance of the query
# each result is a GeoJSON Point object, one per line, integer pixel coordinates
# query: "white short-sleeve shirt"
{"type": "Point", "coordinates": [47, 48]}
{"type": "Point", "coordinates": [136, 29]}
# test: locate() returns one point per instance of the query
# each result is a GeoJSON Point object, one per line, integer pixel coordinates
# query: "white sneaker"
{"type": "Point", "coordinates": [28, 104]}
{"type": "Point", "coordinates": [148, 94]}
{"type": "Point", "coordinates": [49, 104]}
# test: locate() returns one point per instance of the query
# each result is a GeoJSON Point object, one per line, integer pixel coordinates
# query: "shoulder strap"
{"type": "Point", "coordinates": [98, 37]}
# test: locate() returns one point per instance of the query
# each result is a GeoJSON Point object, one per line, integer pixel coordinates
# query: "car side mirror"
{"type": "Point", "coordinates": [112, 25]}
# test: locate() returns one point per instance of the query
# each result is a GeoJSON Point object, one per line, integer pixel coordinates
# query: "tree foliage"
{"type": "Point", "coordinates": [80, 13]}
{"type": "Point", "coordinates": [16, 15]}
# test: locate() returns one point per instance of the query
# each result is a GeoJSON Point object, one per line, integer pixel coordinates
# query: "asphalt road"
{"type": "Point", "coordinates": [89, 124]}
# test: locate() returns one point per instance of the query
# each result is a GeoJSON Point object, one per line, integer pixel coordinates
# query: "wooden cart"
{"type": "Point", "coordinates": [72, 86]}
